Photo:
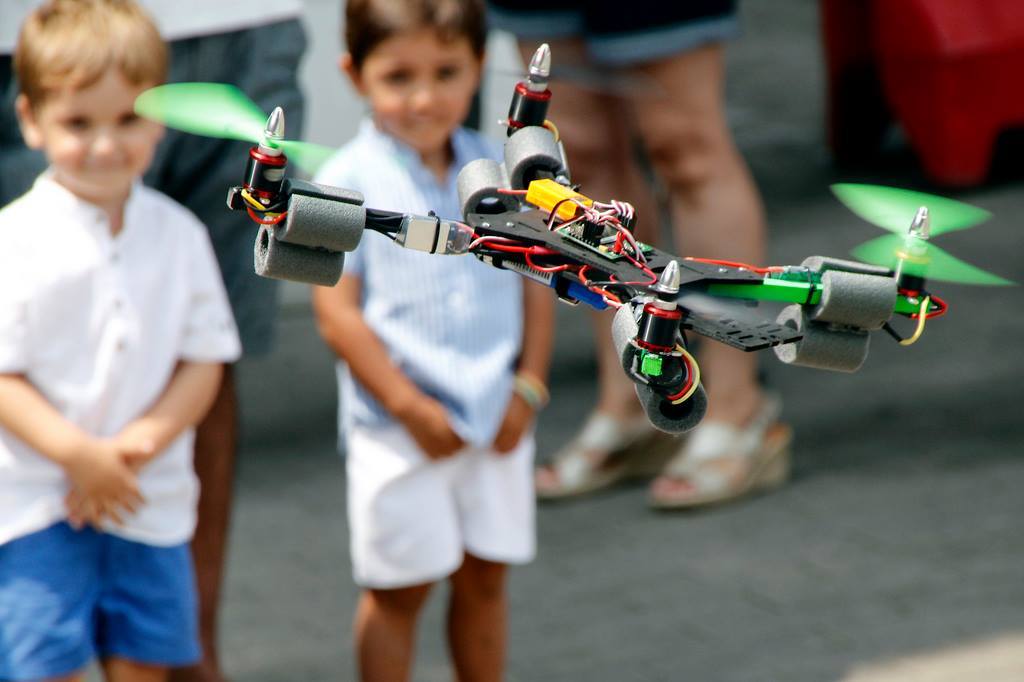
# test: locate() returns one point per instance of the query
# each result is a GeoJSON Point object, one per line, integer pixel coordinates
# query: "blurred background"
{"type": "Point", "coordinates": [897, 552]}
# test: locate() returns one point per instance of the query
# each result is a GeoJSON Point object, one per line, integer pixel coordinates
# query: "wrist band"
{"type": "Point", "coordinates": [531, 390]}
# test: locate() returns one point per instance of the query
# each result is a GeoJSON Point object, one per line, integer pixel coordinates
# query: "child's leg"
{"type": "Point", "coordinates": [123, 670]}
{"type": "Point", "coordinates": [385, 631]}
{"type": "Point", "coordinates": [477, 619]}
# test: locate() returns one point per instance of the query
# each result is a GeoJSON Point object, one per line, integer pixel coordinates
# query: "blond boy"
{"type": "Point", "coordinates": [113, 328]}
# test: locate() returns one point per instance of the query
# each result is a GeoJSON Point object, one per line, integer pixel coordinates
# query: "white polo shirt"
{"type": "Point", "coordinates": [97, 323]}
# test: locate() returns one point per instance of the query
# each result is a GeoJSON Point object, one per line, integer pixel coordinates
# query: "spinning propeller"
{"type": "Point", "coordinates": [223, 111]}
{"type": "Point", "coordinates": [910, 252]}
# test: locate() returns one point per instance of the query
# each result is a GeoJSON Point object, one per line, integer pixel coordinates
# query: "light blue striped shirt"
{"type": "Point", "coordinates": [452, 324]}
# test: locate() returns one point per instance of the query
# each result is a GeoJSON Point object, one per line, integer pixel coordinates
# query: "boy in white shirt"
{"type": "Point", "coordinates": [114, 325]}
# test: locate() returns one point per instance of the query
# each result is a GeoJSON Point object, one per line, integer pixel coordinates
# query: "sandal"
{"type": "Point", "coordinates": [604, 452]}
{"type": "Point", "coordinates": [761, 446]}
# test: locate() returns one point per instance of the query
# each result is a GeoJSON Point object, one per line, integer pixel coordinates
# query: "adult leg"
{"type": "Point", "coordinates": [385, 626]}
{"type": "Point", "coordinates": [717, 213]}
{"type": "Point", "coordinates": [215, 446]}
{"type": "Point", "coordinates": [123, 670]}
{"type": "Point", "coordinates": [595, 131]}
{"type": "Point", "coordinates": [716, 210]}
{"type": "Point", "coordinates": [263, 62]}
{"type": "Point", "coordinates": [478, 620]}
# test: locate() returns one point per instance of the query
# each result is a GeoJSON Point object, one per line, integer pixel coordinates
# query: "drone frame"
{"type": "Point", "coordinates": [526, 216]}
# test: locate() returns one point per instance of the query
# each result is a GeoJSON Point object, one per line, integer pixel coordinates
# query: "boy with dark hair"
{"type": "Point", "coordinates": [443, 379]}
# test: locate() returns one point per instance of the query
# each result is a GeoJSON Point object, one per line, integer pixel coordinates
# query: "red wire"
{"type": "Point", "coordinates": [533, 250]}
{"type": "Point", "coordinates": [272, 221]}
{"type": "Point", "coordinates": [689, 380]}
{"type": "Point", "coordinates": [517, 192]}
{"type": "Point", "coordinates": [600, 291]}
{"type": "Point", "coordinates": [541, 268]}
{"type": "Point", "coordinates": [941, 304]}
{"type": "Point", "coordinates": [619, 240]}
{"type": "Point", "coordinates": [507, 248]}
{"type": "Point", "coordinates": [615, 300]}
{"type": "Point", "coordinates": [735, 264]}
{"type": "Point", "coordinates": [943, 307]}
{"type": "Point", "coordinates": [554, 211]}
{"type": "Point", "coordinates": [646, 270]}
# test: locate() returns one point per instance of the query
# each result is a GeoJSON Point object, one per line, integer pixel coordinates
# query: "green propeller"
{"type": "Point", "coordinates": [223, 111]}
{"type": "Point", "coordinates": [922, 259]}
{"type": "Point", "coordinates": [894, 209]}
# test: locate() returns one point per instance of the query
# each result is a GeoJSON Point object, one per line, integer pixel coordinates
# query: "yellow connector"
{"type": "Point", "coordinates": [545, 195]}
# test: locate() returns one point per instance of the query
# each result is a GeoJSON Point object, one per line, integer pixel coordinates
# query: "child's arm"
{"type": "Point", "coordinates": [343, 328]}
{"type": "Point", "coordinates": [534, 359]}
{"type": "Point", "coordinates": [184, 402]}
{"type": "Point", "coordinates": [96, 467]}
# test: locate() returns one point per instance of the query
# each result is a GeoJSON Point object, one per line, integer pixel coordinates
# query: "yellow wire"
{"type": "Point", "coordinates": [921, 319]}
{"type": "Point", "coordinates": [252, 201]}
{"type": "Point", "coordinates": [696, 376]}
{"type": "Point", "coordinates": [550, 125]}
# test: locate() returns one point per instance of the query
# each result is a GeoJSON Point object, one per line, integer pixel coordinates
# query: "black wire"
{"type": "Point", "coordinates": [892, 332]}
{"type": "Point", "coordinates": [386, 222]}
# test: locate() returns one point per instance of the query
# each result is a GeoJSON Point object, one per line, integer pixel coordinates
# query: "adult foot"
{"type": "Point", "coordinates": [720, 461]}
{"type": "Point", "coordinates": [606, 450]}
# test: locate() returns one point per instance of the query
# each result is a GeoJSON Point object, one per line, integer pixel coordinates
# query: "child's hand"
{"type": "Point", "coordinates": [137, 448]}
{"type": "Point", "coordinates": [103, 485]}
{"type": "Point", "coordinates": [518, 416]}
{"type": "Point", "coordinates": [427, 422]}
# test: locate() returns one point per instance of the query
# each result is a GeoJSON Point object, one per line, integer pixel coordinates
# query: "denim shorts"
{"type": "Point", "coordinates": [646, 31]}
{"type": "Point", "coordinates": [68, 597]}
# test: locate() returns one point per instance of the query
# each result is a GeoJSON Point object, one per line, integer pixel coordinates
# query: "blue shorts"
{"type": "Point", "coordinates": [68, 597]}
{"type": "Point", "coordinates": [616, 34]}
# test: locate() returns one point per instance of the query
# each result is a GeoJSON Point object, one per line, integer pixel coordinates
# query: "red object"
{"type": "Point", "coordinates": [542, 96]}
{"type": "Point", "coordinates": [947, 70]}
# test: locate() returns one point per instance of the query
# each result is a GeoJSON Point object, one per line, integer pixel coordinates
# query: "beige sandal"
{"type": "Point", "coordinates": [604, 452]}
{"type": "Point", "coordinates": [763, 446]}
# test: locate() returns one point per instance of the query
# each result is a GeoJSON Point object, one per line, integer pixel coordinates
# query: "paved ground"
{"type": "Point", "coordinates": [897, 549]}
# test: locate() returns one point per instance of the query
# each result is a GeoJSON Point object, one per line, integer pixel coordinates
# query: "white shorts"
{"type": "Point", "coordinates": [411, 518]}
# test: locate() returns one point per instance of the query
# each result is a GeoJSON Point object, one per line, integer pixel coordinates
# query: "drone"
{"type": "Point", "coordinates": [525, 215]}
